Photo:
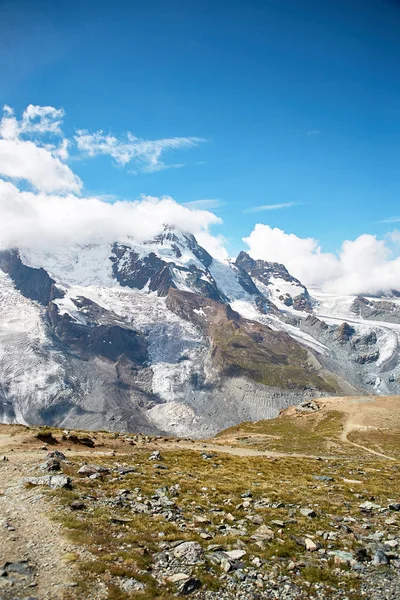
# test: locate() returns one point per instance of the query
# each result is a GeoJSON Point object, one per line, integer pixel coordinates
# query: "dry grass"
{"type": "Point", "coordinates": [118, 550]}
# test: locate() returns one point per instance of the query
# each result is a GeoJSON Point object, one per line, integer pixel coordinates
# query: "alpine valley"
{"type": "Point", "coordinates": [161, 338]}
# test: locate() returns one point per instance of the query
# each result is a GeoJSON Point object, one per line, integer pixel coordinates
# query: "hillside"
{"type": "Point", "coordinates": [118, 516]}
{"type": "Point", "coordinates": [360, 425]}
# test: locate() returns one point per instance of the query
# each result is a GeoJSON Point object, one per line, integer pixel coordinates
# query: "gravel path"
{"type": "Point", "coordinates": [31, 546]}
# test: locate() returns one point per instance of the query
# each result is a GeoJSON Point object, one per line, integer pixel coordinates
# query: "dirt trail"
{"type": "Point", "coordinates": [27, 534]}
{"type": "Point", "coordinates": [238, 451]}
{"type": "Point", "coordinates": [349, 427]}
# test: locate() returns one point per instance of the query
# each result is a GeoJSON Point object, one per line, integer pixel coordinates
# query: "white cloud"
{"type": "Point", "coordinates": [24, 160]}
{"type": "Point", "coordinates": [314, 132]}
{"type": "Point", "coordinates": [144, 154]}
{"type": "Point", "coordinates": [390, 220]}
{"type": "Point", "coordinates": [28, 151]}
{"type": "Point", "coordinates": [214, 244]}
{"type": "Point", "coordinates": [256, 209]}
{"type": "Point", "coordinates": [365, 265]}
{"type": "Point", "coordinates": [54, 214]}
{"type": "Point", "coordinates": [38, 220]}
{"type": "Point", "coordinates": [39, 164]}
{"type": "Point", "coordinates": [394, 236]}
{"type": "Point", "coordinates": [35, 120]}
{"type": "Point", "coordinates": [42, 119]}
{"type": "Point", "coordinates": [206, 204]}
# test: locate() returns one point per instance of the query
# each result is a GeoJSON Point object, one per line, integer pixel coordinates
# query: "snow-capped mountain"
{"type": "Point", "coordinates": [160, 337]}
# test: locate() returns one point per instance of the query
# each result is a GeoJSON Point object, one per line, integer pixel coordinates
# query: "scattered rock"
{"type": "Point", "coordinates": [56, 454]}
{"type": "Point", "coordinates": [88, 470]}
{"type": "Point", "coordinates": [235, 554]}
{"type": "Point", "coordinates": [189, 586]}
{"type": "Point", "coordinates": [77, 505]}
{"type": "Point", "coordinates": [342, 558]}
{"type": "Point", "coordinates": [308, 512]}
{"type": "Point", "coordinates": [369, 506]}
{"type": "Point", "coordinates": [52, 481]}
{"type": "Point", "coordinates": [156, 455]}
{"type": "Point", "coordinates": [307, 406]}
{"type": "Point", "coordinates": [380, 558]}
{"type": "Point", "coordinates": [52, 464]}
{"type": "Point", "coordinates": [323, 478]}
{"type": "Point", "coordinates": [75, 439]}
{"type": "Point", "coordinates": [310, 545]}
{"type": "Point", "coordinates": [21, 567]}
{"type": "Point", "coordinates": [189, 552]}
{"type": "Point", "coordinates": [263, 533]}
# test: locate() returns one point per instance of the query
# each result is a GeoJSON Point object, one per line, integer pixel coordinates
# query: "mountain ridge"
{"type": "Point", "coordinates": [125, 341]}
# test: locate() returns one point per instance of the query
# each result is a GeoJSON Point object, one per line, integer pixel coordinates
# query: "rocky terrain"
{"type": "Point", "coordinates": [161, 338]}
{"type": "Point", "coordinates": [102, 515]}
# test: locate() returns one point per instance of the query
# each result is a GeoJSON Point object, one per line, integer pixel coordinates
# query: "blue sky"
{"type": "Point", "coordinates": [299, 101]}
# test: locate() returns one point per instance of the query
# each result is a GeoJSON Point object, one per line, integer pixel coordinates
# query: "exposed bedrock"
{"type": "Point", "coordinates": [35, 284]}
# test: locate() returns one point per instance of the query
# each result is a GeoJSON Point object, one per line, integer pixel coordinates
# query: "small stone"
{"type": "Point", "coordinates": [56, 454]}
{"type": "Point", "coordinates": [131, 585]}
{"type": "Point", "coordinates": [247, 494]}
{"type": "Point", "coordinates": [53, 481]}
{"type": "Point", "coordinates": [226, 565]}
{"type": "Point", "coordinates": [51, 464]}
{"type": "Point", "coordinates": [380, 558]}
{"type": "Point", "coordinates": [362, 555]}
{"type": "Point", "coordinates": [202, 519]}
{"type": "Point", "coordinates": [189, 552]}
{"type": "Point", "coordinates": [156, 455]}
{"type": "Point", "coordinates": [235, 554]}
{"type": "Point", "coordinates": [277, 523]}
{"type": "Point", "coordinates": [342, 558]}
{"type": "Point", "coordinates": [77, 505]}
{"type": "Point", "coordinates": [263, 533]}
{"type": "Point", "coordinates": [88, 470]}
{"type": "Point", "coordinates": [308, 512]}
{"type": "Point", "coordinates": [22, 568]}
{"type": "Point", "coordinates": [323, 478]}
{"type": "Point", "coordinates": [369, 506]}
{"type": "Point", "coordinates": [310, 545]}
{"type": "Point", "coordinates": [120, 520]}
{"type": "Point", "coordinates": [189, 586]}
{"type": "Point", "coordinates": [178, 577]}
{"type": "Point", "coordinates": [395, 506]}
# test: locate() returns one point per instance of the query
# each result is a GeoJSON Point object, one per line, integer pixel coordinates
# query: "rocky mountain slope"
{"type": "Point", "coordinates": [159, 337]}
{"type": "Point", "coordinates": [105, 515]}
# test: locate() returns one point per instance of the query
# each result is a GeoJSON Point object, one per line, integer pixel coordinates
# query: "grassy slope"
{"type": "Point", "coordinates": [109, 552]}
{"type": "Point", "coordinates": [267, 357]}
{"type": "Point", "coordinates": [126, 550]}
{"type": "Point", "coordinates": [306, 434]}
{"type": "Point", "coordinates": [375, 424]}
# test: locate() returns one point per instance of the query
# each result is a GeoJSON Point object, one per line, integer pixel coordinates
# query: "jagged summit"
{"type": "Point", "coordinates": [263, 269]}
{"type": "Point", "coordinates": [275, 279]}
